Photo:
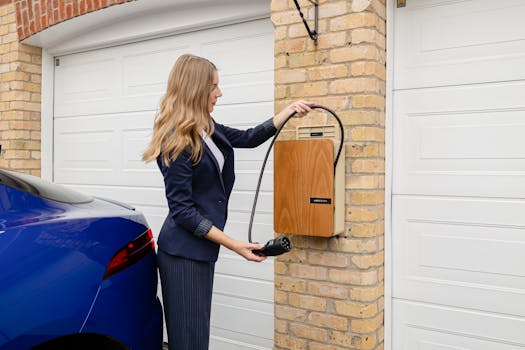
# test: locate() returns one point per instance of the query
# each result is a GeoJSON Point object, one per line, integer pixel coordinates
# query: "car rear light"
{"type": "Point", "coordinates": [131, 253]}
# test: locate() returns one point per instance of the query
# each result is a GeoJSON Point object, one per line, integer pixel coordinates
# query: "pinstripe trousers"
{"type": "Point", "coordinates": [187, 287]}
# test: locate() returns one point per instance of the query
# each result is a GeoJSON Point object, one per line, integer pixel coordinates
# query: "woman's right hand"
{"type": "Point", "coordinates": [245, 249]}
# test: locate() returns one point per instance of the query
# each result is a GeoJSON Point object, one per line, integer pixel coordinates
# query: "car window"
{"type": "Point", "coordinates": [45, 189]}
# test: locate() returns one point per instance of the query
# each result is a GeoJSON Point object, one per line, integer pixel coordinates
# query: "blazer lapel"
{"type": "Point", "coordinates": [208, 152]}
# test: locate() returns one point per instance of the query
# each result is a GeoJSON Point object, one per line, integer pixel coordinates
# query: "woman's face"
{"type": "Point", "coordinates": [215, 93]}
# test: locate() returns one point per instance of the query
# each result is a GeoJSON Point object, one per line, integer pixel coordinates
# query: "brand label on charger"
{"type": "Point", "coordinates": [320, 200]}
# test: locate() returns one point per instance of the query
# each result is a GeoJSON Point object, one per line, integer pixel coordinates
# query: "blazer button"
{"type": "Point", "coordinates": [220, 202]}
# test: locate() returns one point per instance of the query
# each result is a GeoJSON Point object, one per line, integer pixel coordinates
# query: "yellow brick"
{"type": "Point", "coordinates": [353, 85]}
{"type": "Point", "coordinates": [24, 124]}
{"type": "Point", "coordinates": [327, 259]}
{"type": "Point", "coordinates": [280, 61]}
{"type": "Point", "coordinates": [341, 338]}
{"type": "Point", "coordinates": [332, 9]}
{"type": "Point", "coordinates": [280, 326]}
{"type": "Point", "coordinates": [295, 255]}
{"type": "Point", "coordinates": [354, 309]}
{"type": "Point", "coordinates": [280, 268]}
{"type": "Point", "coordinates": [360, 5]}
{"type": "Point", "coordinates": [279, 33]}
{"type": "Point", "coordinates": [36, 155]}
{"type": "Point", "coordinates": [35, 135]}
{"type": "Point", "coordinates": [328, 41]}
{"type": "Point", "coordinates": [16, 135]}
{"type": "Point", "coordinates": [308, 272]}
{"type": "Point", "coordinates": [319, 243]}
{"type": "Point", "coordinates": [355, 117]}
{"type": "Point", "coordinates": [354, 245]}
{"type": "Point", "coordinates": [307, 59]}
{"type": "Point", "coordinates": [297, 30]}
{"type": "Point", "coordinates": [289, 46]}
{"type": "Point", "coordinates": [366, 294]}
{"type": "Point", "coordinates": [368, 325]}
{"type": "Point", "coordinates": [22, 85]}
{"type": "Point", "coordinates": [367, 134]}
{"type": "Point", "coordinates": [328, 321]}
{"type": "Point", "coordinates": [290, 313]}
{"type": "Point", "coordinates": [300, 90]}
{"type": "Point", "coordinates": [34, 50]}
{"type": "Point", "coordinates": [279, 5]}
{"type": "Point", "coordinates": [36, 97]}
{"type": "Point", "coordinates": [354, 20]}
{"type": "Point", "coordinates": [285, 17]}
{"type": "Point", "coordinates": [379, 8]}
{"type": "Point", "coordinates": [16, 154]}
{"type": "Point", "coordinates": [25, 106]}
{"type": "Point", "coordinates": [36, 59]}
{"type": "Point", "coordinates": [369, 101]}
{"type": "Point", "coordinates": [368, 166]}
{"type": "Point", "coordinates": [328, 290]}
{"type": "Point", "coordinates": [307, 302]}
{"type": "Point", "coordinates": [15, 96]}
{"type": "Point", "coordinates": [327, 72]}
{"type": "Point", "coordinates": [24, 144]}
{"type": "Point", "coordinates": [366, 342]}
{"type": "Point", "coordinates": [367, 261]}
{"type": "Point", "coordinates": [290, 284]}
{"type": "Point", "coordinates": [367, 230]}
{"type": "Point", "coordinates": [308, 332]}
{"type": "Point", "coordinates": [363, 150]}
{"type": "Point", "coordinates": [366, 35]}
{"type": "Point", "coordinates": [363, 182]}
{"type": "Point", "coordinates": [368, 198]}
{"type": "Point", "coordinates": [9, 38]}
{"type": "Point", "coordinates": [354, 53]}
{"type": "Point", "coordinates": [287, 342]}
{"type": "Point", "coordinates": [323, 346]}
{"type": "Point", "coordinates": [369, 68]}
{"type": "Point", "coordinates": [36, 78]}
{"type": "Point", "coordinates": [280, 297]}
{"type": "Point", "coordinates": [354, 277]}
{"type": "Point", "coordinates": [10, 76]}
{"type": "Point", "coordinates": [25, 164]}
{"type": "Point", "coordinates": [285, 76]}
{"type": "Point", "coordinates": [360, 214]}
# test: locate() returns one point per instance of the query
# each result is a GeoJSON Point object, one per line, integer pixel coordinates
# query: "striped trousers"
{"type": "Point", "coordinates": [187, 287]}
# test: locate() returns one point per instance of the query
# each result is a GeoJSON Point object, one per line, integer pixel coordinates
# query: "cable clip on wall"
{"type": "Point", "coordinates": [308, 185]}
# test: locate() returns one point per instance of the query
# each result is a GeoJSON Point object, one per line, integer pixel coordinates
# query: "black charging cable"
{"type": "Point", "coordinates": [280, 245]}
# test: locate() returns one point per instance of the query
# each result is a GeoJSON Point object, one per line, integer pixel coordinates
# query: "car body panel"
{"type": "Point", "coordinates": [53, 256]}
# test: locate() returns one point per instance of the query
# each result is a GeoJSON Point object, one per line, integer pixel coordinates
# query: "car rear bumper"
{"type": "Point", "coordinates": [127, 308]}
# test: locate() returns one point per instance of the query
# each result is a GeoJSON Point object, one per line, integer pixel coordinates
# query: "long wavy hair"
{"type": "Point", "coordinates": [184, 112]}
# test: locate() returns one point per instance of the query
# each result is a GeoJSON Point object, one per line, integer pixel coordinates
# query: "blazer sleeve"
{"type": "Point", "coordinates": [178, 184]}
{"type": "Point", "coordinates": [249, 138]}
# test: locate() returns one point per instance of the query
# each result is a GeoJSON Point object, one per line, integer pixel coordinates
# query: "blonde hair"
{"type": "Point", "coordinates": [184, 112]}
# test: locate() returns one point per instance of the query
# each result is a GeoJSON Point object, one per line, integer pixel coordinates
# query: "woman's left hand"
{"type": "Point", "coordinates": [300, 107]}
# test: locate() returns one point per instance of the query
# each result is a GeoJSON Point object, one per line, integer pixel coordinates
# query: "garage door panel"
{"type": "Point", "coordinates": [435, 327]}
{"type": "Point", "coordinates": [457, 42]}
{"type": "Point", "coordinates": [452, 141]}
{"type": "Point", "coordinates": [471, 255]}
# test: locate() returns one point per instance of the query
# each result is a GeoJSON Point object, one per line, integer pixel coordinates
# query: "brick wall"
{"type": "Point", "coordinates": [20, 74]}
{"type": "Point", "coordinates": [36, 15]}
{"type": "Point", "coordinates": [329, 292]}
{"type": "Point", "coordinates": [20, 93]}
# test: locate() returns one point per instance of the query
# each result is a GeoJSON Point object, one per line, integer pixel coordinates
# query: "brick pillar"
{"type": "Point", "coordinates": [20, 95]}
{"type": "Point", "coordinates": [329, 292]}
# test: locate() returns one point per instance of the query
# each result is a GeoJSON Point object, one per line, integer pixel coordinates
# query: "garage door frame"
{"type": "Point", "coordinates": [389, 115]}
{"type": "Point", "coordinates": [233, 12]}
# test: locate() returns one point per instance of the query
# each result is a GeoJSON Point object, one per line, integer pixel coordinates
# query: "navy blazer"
{"type": "Point", "coordinates": [198, 194]}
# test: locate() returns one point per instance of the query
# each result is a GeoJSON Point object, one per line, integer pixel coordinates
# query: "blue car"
{"type": "Point", "coordinates": [76, 272]}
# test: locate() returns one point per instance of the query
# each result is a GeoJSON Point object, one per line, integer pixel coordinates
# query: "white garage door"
{"type": "Point", "coordinates": [104, 107]}
{"type": "Point", "coordinates": [458, 203]}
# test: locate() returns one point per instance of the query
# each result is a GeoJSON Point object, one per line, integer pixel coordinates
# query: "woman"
{"type": "Point", "coordinates": [195, 156]}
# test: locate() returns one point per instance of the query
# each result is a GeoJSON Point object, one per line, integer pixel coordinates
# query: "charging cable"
{"type": "Point", "coordinates": [280, 245]}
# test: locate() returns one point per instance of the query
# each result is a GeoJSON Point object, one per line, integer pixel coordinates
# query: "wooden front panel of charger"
{"type": "Point", "coordinates": [303, 183]}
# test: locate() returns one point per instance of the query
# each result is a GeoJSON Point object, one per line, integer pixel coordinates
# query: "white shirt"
{"type": "Point", "coordinates": [214, 149]}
